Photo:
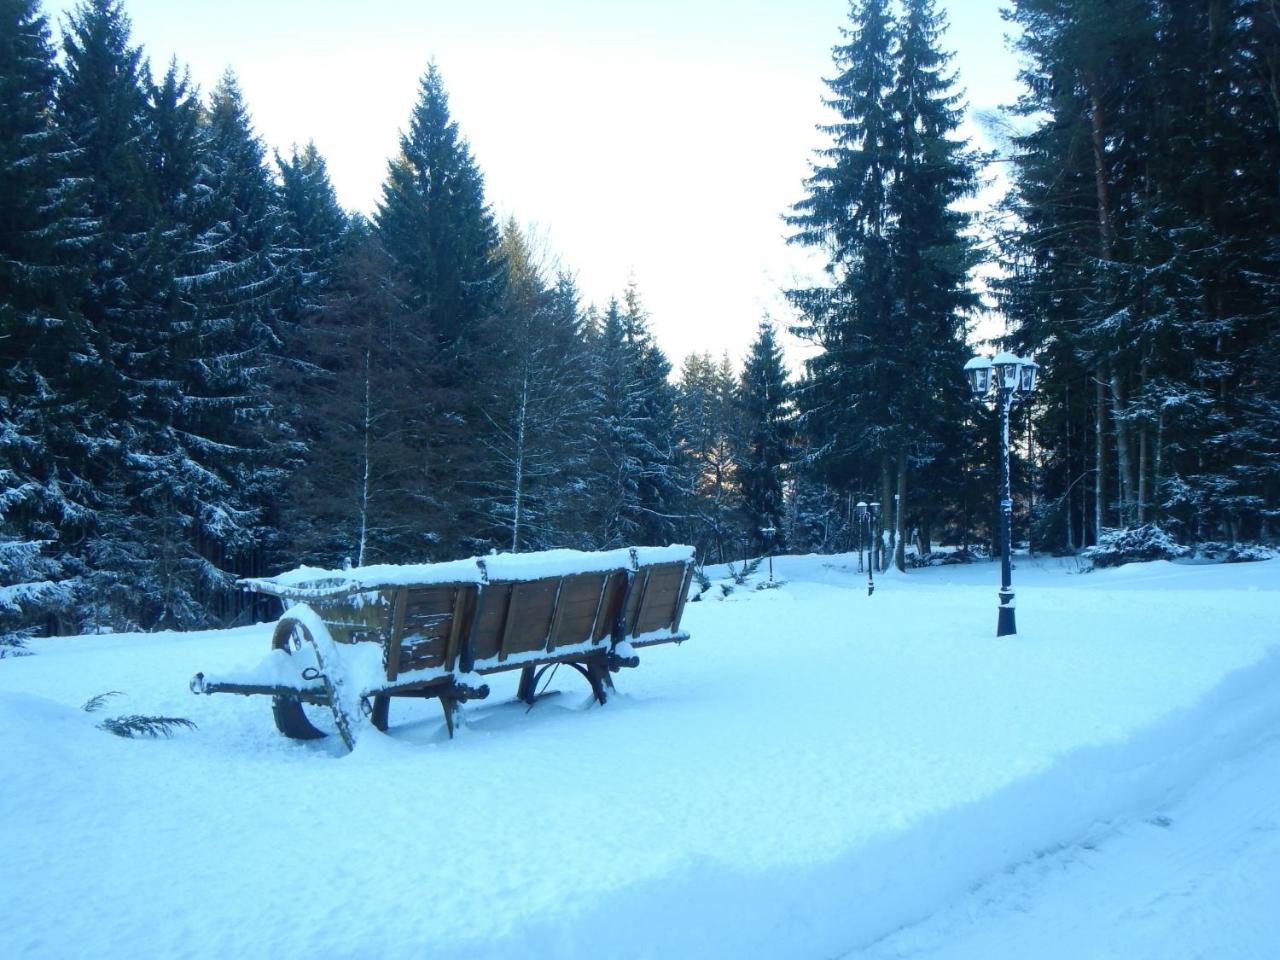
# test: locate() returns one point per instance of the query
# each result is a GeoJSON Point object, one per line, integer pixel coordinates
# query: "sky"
{"type": "Point", "coordinates": [658, 140]}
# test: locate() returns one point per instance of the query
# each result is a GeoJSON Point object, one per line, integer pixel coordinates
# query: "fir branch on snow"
{"type": "Point", "coordinates": [137, 725]}
{"type": "Point", "coordinates": [95, 703]}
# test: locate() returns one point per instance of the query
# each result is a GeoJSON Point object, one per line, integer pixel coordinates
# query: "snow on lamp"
{"type": "Point", "coordinates": [978, 370]}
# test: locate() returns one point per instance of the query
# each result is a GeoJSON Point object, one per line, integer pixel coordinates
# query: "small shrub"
{"type": "Point", "coordinates": [703, 581]}
{"type": "Point", "coordinates": [748, 569]}
{"type": "Point", "coordinates": [1134, 544]}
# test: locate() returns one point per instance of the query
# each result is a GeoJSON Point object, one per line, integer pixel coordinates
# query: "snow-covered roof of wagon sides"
{"type": "Point", "coordinates": [499, 566]}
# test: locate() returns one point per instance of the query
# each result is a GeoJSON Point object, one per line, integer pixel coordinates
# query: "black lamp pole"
{"type": "Point", "coordinates": [873, 513]}
{"type": "Point", "coordinates": [1014, 379]}
{"type": "Point", "coordinates": [1006, 625]}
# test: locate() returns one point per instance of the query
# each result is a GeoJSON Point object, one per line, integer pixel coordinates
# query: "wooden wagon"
{"type": "Point", "coordinates": [351, 640]}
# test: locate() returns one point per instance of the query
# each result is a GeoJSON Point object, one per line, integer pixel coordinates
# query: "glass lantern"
{"type": "Point", "coordinates": [978, 371]}
{"type": "Point", "coordinates": [1008, 369]}
{"type": "Point", "coordinates": [1027, 377]}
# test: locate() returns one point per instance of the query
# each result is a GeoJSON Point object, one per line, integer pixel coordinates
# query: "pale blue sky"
{"type": "Point", "coordinates": [660, 139]}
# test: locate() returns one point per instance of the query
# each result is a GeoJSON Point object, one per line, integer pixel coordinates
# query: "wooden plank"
{"type": "Point", "coordinates": [596, 634]}
{"type": "Point", "coordinates": [509, 620]}
{"type": "Point", "coordinates": [488, 620]}
{"type": "Point", "coordinates": [644, 589]}
{"type": "Point", "coordinates": [575, 628]}
{"type": "Point", "coordinates": [468, 654]}
{"type": "Point", "coordinates": [557, 614]}
{"type": "Point", "coordinates": [397, 632]}
{"type": "Point", "coordinates": [683, 596]}
{"type": "Point", "coordinates": [432, 600]}
{"type": "Point", "coordinates": [455, 627]}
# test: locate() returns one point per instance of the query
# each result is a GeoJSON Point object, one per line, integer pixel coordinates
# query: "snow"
{"type": "Point", "coordinates": [813, 772]}
{"type": "Point", "coordinates": [496, 567]}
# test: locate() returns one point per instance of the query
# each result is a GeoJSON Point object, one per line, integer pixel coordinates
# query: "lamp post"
{"type": "Point", "coordinates": [867, 515]}
{"type": "Point", "coordinates": [1004, 379]}
{"type": "Point", "coordinates": [768, 533]}
{"type": "Point", "coordinates": [862, 533]}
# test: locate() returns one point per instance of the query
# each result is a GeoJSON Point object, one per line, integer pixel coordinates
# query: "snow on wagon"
{"type": "Point", "coordinates": [351, 640]}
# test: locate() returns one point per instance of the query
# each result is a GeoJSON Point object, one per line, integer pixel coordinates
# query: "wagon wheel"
{"type": "Point", "coordinates": [291, 718]}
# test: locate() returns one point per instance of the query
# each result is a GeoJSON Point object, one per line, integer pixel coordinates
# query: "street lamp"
{"type": "Point", "coordinates": [1005, 379]}
{"type": "Point", "coordinates": [867, 513]}
{"type": "Point", "coordinates": [768, 533]}
{"type": "Point", "coordinates": [862, 536]}
{"type": "Point", "coordinates": [873, 542]}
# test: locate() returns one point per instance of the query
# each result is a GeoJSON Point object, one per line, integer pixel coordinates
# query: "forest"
{"type": "Point", "coordinates": [209, 369]}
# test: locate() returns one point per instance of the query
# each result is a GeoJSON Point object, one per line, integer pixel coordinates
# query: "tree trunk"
{"type": "Point", "coordinates": [900, 510]}
{"type": "Point", "coordinates": [1106, 247]}
{"type": "Point", "coordinates": [1124, 456]}
{"type": "Point", "coordinates": [1100, 455]}
{"type": "Point", "coordinates": [886, 504]}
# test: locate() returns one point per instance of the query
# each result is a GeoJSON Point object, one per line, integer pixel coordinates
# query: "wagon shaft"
{"type": "Point", "coordinates": [306, 694]}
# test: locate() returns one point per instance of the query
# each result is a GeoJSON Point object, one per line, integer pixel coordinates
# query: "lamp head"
{"type": "Point", "coordinates": [978, 372]}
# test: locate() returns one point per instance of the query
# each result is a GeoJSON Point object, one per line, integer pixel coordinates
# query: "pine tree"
{"type": "Point", "coordinates": [433, 218]}
{"type": "Point", "coordinates": [44, 502]}
{"type": "Point", "coordinates": [359, 388]}
{"type": "Point", "coordinates": [765, 400]}
{"type": "Point", "coordinates": [847, 400]}
{"type": "Point", "coordinates": [885, 390]}
{"type": "Point", "coordinates": [434, 221]}
{"type": "Point", "coordinates": [709, 424]}
{"type": "Point", "coordinates": [312, 228]}
{"type": "Point", "coordinates": [101, 108]}
{"type": "Point", "coordinates": [535, 405]}
{"type": "Point", "coordinates": [933, 256]}
{"type": "Point", "coordinates": [638, 487]}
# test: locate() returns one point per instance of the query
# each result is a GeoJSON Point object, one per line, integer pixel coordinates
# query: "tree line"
{"type": "Point", "coordinates": [212, 370]}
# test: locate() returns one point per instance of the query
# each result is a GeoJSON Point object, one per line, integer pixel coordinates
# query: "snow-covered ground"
{"type": "Point", "coordinates": [817, 773]}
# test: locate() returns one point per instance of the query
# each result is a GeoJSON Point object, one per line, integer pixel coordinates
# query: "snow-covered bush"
{"type": "Point", "coordinates": [1133, 544]}
{"type": "Point", "coordinates": [31, 589]}
{"type": "Point", "coordinates": [1233, 552]}
{"type": "Point", "coordinates": [941, 558]}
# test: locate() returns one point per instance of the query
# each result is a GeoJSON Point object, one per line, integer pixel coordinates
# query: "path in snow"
{"type": "Point", "coordinates": [1198, 878]}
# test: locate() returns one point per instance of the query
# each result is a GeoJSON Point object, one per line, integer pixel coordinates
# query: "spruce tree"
{"type": "Point", "coordinates": [434, 221]}
{"type": "Point", "coordinates": [44, 505]}
{"type": "Point", "coordinates": [535, 404]}
{"type": "Point", "coordinates": [312, 228]}
{"type": "Point", "coordinates": [765, 400]}
{"type": "Point", "coordinates": [356, 494]}
{"type": "Point", "coordinates": [710, 428]}
{"type": "Point", "coordinates": [933, 255]}
{"type": "Point", "coordinates": [885, 389]}
{"type": "Point", "coordinates": [638, 488]}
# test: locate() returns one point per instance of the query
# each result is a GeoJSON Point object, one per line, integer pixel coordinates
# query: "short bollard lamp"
{"type": "Point", "coordinates": [768, 533]}
{"type": "Point", "coordinates": [1005, 380]}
